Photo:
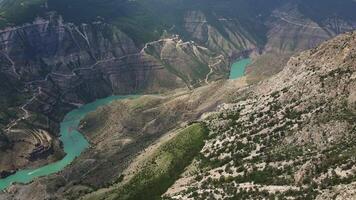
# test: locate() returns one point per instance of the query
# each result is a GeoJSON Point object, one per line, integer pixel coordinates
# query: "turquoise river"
{"type": "Point", "coordinates": [74, 143]}
{"type": "Point", "coordinates": [238, 68]}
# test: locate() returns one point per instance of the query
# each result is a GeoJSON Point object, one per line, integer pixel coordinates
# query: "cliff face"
{"type": "Point", "coordinates": [118, 133]}
{"type": "Point", "coordinates": [50, 66]}
{"type": "Point", "coordinates": [292, 136]}
{"type": "Point", "coordinates": [292, 30]}
{"type": "Point", "coordinates": [219, 33]}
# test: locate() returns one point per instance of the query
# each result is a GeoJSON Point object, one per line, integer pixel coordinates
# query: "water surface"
{"type": "Point", "coordinates": [238, 68]}
{"type": "Point", "coordinates": [74, 143]}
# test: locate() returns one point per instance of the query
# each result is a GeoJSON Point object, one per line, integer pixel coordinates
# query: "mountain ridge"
{"type": "Point", "coordinates": [308, 109]}
{"type": "Point", "coordinates": [290, 136]}
{"type": "Point", "coordinates": [54, 58]}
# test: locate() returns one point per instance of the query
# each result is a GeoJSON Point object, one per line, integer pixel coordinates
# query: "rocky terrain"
{"type": "Point", "coordinates": [226, 41]}
{"type": "Point", "coordinates": [292, 136]}
{"type": "Point", "coordinates": [291, 30]}
{"type": "Point", "coordinates": [54, 66]}
{"type": "Point", "coordinates": [117, 133]}
{"type": "Point", "coordinates": [58, 55]}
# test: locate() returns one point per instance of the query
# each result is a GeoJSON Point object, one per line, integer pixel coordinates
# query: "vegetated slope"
{"type": "Point", "coordinates": [91, 49]}
{"type": "Point", "coordinates": [49, 67]}
{"type": "Point", "coordinates": [160, 170]}
{"type": "Point", "coordinates": [146, 20]}
{"type": "Point", "coordinates": [292, 136]}
{"type": "Point", "coordinates": [120, 131]}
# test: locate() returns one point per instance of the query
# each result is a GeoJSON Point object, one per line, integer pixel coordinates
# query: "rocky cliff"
{"type": "Point", "coordinates": [121, 131]}
{"type": "Point", "coordinates": [290, 30]}
{"type": "Point", "coordinates": [50, 67]}
{"type": "Point", "coordinates": [228, 36]}
{"type": "Point", "coordinates": [292, 136]}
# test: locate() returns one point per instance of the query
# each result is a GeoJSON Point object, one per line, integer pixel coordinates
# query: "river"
{"type": "Point", "coordinates": [238, 68]}
{"type": "Point", "coordinates": [74, 143]}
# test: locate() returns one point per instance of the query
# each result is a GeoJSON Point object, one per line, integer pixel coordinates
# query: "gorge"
{"type": "Point", "coordinates": [62, 62]}
{"type": "Point", "coordinates": [74, 143]}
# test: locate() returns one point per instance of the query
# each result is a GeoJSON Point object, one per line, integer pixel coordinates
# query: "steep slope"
{"type": "Point", "coordinates": [294, 27]}
{"type": "Point", "coordinates": [241, 23]}
{"type": "Point", "coordinates": [117, 133]}
{"type": "Point", "coordinates": [49, 67]}
{"type": "Point", "coordinates": [143, 20]}
{"type": "Point", "coordinates": [292, 136]}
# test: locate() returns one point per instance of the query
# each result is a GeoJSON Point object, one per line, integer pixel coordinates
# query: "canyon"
{"type": "Point", "coordinates": [54, 59]}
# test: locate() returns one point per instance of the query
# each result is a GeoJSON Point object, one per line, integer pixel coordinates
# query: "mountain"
{"type": "Point", "coordinates": [145, 21]}
{"type": "Point", "coordinates": [57, 55]}
{"type": "Point", "coordinates": [52, 66]}
{"type": "Point", "coordinates": [291, 136]}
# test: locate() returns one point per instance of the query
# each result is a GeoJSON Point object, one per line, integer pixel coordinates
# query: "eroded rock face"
{"type": "Point", "coordinates": [118, 132]}
{"type": "Point", "coordinates": [294, 134]}
{"type": "Point", "coordinates": [290, 30]}
{"type": "Point", "coordinates": [231, 39]}
{"type": "Point", "coordinates": [52, 66]}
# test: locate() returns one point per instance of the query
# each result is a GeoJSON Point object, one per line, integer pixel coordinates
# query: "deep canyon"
{"type": "Point", "coordinates": [58, 56]}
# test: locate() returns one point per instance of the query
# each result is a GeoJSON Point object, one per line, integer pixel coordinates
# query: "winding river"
{"type": "Point", "coordinates": [238, 68]}
{"type": "Point", "coordinates": [74, 143]}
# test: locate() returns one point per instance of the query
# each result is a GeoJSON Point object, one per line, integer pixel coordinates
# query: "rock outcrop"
{"type": "Point", "coordinates": [230, 39]}
{"type": "Point", "coordinates": [290, 30]}
{"type": "Point", "coordinates": [120, 131]}
{"type": "Point", "coordinates": [292, 136]}
{"type": "Point", "coordinates": [53, 66]}
{"type": "Point", "coordinates": [49, 66]}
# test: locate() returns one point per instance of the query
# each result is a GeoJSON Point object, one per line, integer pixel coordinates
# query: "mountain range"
{"type": "Point", "coordinates": [58, 55]}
